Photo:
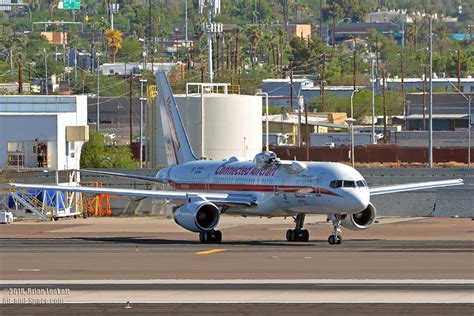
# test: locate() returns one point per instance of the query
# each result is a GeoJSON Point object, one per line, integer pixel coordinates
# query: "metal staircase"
{"type": "Point", "coordinates": [33, 204]}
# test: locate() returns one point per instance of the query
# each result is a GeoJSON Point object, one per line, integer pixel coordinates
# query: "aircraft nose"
{"type": "Point", "coordinates": [359, 200]}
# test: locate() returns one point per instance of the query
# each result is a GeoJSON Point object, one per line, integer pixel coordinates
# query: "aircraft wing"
{"type": "Point", "coordinates": [218, 198]}
{"type": "Point", "coordinates": [122, 175]}
{"type": "Point", "coordinates": [414, 186]}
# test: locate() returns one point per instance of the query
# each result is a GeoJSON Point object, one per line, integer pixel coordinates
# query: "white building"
{"type": "Point", "coordinates": [45, 132]}
{"type": "Point", "coordinates": [134, 68]}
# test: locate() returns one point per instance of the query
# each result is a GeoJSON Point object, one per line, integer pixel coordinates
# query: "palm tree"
{"type": "Point", "coordinates": [238, 32]}
{"type": "Point", "coordinates": [268, 39]}
{"type": "Point", "coordinates": [227, 38]}
{"type": "Point", "coordinates": [254, 34]}
{"type": "Point", "coordinates": [443, 33]}
{"type": "Point", "coordinates": [410, 32]}
{"type": "Point", "coordinates": [113, 39]}
{"type": "Point", "coordinates": [280, 48]}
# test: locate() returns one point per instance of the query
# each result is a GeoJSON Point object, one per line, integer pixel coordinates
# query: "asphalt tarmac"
{"type": "Point", "coordinates": [106, 262]}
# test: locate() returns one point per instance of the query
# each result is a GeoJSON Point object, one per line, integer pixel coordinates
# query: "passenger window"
{"type": "Point", "coordinates": [349, 184]}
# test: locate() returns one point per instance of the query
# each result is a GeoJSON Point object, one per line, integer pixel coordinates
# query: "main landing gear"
{"type": "Point", "coordinates": [210, 236]}
{"type": "Point", "coordinates": [298, 234]}
{"type": "Point", "coordinates": [335, 238]}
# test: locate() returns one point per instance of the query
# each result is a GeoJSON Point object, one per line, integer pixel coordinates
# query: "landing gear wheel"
{"type": "Point", "coordinates": [304, 235]}
{"type": "Point", "coordinates": [213, 236]}
{"type": "Point", "coordinates": [298, 234]}
{"type": "Point", "coordinates": [339, 240]}
{"type": "Point", "coordinates": [332, 239]}
{"type": "Point", "coordinates": [217, 236]}
{"type": "Point", "coordinates": [290, 235]}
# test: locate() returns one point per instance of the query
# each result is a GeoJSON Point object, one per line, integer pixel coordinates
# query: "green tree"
{"type": "Point", "coordinates": [95, 154]}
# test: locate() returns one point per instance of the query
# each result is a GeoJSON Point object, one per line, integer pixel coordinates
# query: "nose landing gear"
{"type": "Point", "coordinates": [298, 234]}
{"type": "Point", "coordinates": [335, 238]}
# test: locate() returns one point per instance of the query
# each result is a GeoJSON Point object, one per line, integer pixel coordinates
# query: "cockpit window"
{"type": "Point", "coordinates": [336, 184]}
{"type": "Point", "coordinates": [349, 184]}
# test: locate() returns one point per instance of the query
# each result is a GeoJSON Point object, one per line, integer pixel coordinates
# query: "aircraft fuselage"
{"type": "Point", "coordinates": [278, 192]}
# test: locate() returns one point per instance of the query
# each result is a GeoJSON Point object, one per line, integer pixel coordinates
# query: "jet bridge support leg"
{"type": "Point", "coordinates": [298, 234]}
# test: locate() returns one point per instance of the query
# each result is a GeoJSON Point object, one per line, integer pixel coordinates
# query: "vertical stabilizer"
{"type": "Point", "coordinates": [178, 149]}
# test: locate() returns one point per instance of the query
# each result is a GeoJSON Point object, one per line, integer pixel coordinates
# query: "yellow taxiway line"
{"type": "Point", "coordinates": [210, 251]}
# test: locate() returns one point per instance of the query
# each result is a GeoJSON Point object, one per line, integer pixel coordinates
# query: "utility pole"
{"type": "Point", "coordinates": [321, 20]}
{"type": "Point", "coordinates": [430, 143]}
{"type": "Point", "coordinates": [323, 95]}
{"type": "Point", "coordinates": [402, 83]}
{"type": "Point", "coordinates": [29, 75]}
{"type": "Point", "coordinates": [384, 106]}
{"type": "Point", "coordinates": [11, 63]}
{"type": "Point", "coordinates": [130, 103]}
{"type": "Point", "coordinates": [46, 70]}
{"type": "Point", "coordinates": [459, 69]}
{"type": "Point", "coordinates": [186, 22]}
{"type": "Point", "coordinates": [97, 126]}
{"type": "Point", "coordinates": [20, 78]}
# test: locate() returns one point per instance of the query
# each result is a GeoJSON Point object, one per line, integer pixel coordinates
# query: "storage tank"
{"type": "Point", "coordinates": [219, 125]}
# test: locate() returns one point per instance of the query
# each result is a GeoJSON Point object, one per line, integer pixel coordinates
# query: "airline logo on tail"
{"type": "Point", "coordinates": [174, 132]}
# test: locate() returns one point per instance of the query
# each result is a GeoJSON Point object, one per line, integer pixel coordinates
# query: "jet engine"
{"type": "Point", "coordinates": [197, 216]}
{"type": "Point", "coordinates": [362, 220]}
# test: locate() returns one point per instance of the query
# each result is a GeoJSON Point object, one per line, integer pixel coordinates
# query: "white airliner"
{"type": "Point", "coordinates": [266, 186]}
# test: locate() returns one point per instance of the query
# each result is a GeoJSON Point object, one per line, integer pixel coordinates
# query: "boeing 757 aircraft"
{"type": "Point", "coordinates": [266, 186]}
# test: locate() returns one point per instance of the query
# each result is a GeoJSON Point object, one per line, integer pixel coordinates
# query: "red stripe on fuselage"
{"type": "Point", "coordinates": [249, 187]}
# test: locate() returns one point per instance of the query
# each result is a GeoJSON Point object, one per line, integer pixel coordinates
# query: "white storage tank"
{"type": "Point", "coordinates": [219, 125]}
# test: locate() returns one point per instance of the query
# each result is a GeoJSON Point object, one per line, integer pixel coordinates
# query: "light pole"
{"type": "Point", "coordinates": [373, 102]}
{"type": "Point", "coordinates": [267, 148]}
{"type": "Point", "coordinates": [46, 70]}
{"type": "Point", "coordinates": [351, 122]}
{"type": "Point", "coordinates": [430, 140]}
{"type": "Point", "coordinates": [352, 103]}
{"type": "Point", "coordinates": [98, 94]}
{"type": "Point", "coordinates": [142, 81]}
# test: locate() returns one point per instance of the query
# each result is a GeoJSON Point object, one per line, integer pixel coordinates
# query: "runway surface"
{"type": "Point", "coordinates": [430, 261]}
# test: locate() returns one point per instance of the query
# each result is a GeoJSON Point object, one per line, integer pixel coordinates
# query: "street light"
{"type": "Point", "coordinates": [351, 122]}
{"type": "Point", "coordinates": [352, 104]}
{"type": "Point", "coordinates": [142, 81]}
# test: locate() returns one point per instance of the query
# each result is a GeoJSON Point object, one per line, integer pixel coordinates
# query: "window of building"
{"type": "Point", "coordinates": [16, 159]}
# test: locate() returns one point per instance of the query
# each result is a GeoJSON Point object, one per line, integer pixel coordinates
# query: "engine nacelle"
{"type": "Point", "coordinates": [362, 220]}
{"type": "Point", "coordinates": [197, 216]}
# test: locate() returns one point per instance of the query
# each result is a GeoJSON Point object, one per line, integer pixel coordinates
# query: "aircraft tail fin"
{"type": "Point", "coordinates": [177, 143]}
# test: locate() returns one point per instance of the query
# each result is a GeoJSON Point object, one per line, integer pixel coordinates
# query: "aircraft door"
{"type": "Point", "coordinates": [318, 183]}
